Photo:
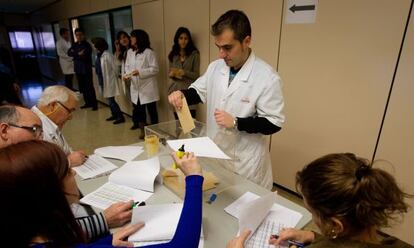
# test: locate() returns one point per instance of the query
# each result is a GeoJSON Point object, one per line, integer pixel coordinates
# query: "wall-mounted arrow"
{"type": "Point", "coordinates": [301, 8]}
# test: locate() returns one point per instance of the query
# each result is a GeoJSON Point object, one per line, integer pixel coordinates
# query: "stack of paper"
{"type": "Point", "coordinates": [161, 222]}
{"type": "Point", "coordinates": [111, 193]}
{"type": "Point", "coordinates": [262, 216]}
{"type": "Point", "coordinates": [137, 174]}
{"type": "Point", "coordinates": [125, 153]}
{"type": "Point", "coordinates": [93, 167]}
{"type": "Point", "coordinates": [201, 147]}
{"type": "Point", "coordinates": [130, 182]}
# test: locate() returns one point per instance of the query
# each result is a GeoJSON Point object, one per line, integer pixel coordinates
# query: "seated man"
{"type": "Point", "coordinates": [18, 124]}
{"type": "Point", "coordinates": [54, 108]}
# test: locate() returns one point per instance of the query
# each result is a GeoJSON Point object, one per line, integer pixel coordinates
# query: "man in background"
{"type": "Point", "coordinates": [81, 51]}
{"type": "Point", "coordinates": [66, 62]}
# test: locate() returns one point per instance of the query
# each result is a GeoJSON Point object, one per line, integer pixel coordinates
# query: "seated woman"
{"type": "Point", "coordinates": [35, 212]}
{"type": "Point", "coordinates": [349, 200]}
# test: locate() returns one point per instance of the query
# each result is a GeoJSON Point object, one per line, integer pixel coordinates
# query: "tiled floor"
{"type": "Point", "coordinates": [88, 130]}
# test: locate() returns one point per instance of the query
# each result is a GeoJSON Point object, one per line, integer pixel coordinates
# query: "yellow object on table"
{"type": "Point", "coordinates": [151, 143]}
{"type": "Point", "coordinates": [180, 154]}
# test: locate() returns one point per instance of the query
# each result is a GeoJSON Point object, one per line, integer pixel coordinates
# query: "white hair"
{"type": "Point", "coordinates": [55, 93]}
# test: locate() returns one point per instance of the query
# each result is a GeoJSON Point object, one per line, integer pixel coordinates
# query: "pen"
{"type": "Point", "coordinates": [180, 153]}
{"type": "Point", "coordinates": [138, 204]}
{"type": "Point", "coordinates": [290, 242]}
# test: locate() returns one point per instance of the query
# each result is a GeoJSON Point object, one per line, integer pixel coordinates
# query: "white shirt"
{"type": "Point", "coordinates": [144, 86]}
{"type": "Point", "coordinates": [109, 74]}
{"type": "Point", "coordinates": [254, 91]}
{"type": "Point", "coordinates": [51, 131]}
{"type": "Point", "coordinates": [65, 61]}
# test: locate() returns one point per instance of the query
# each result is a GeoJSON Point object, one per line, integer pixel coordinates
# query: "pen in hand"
{"type": "Point", "coordinates": [138, 204]}
{"type": "Point", "coordinates": [290, 242]}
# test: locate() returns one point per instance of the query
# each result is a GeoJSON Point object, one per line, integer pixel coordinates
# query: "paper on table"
{"type": "Point", "coordinates": [93, 167]}
{"type": "Point", "coordinates": [201, 147]}
{"type": "Point", "coordinates": [234, 208]}
{"type": "Point", "coordinates": [137, 174]}
{"type": "Point", "coordinates": [279, 217]}
{"type": "Point", "coordinates": [276, 218]}
{"type": "Point", "coordinates": [110, 193]}
{"type": "Point", "coordinates": [184, 115]}
{"type": "Point", "coordinates": [125, 153]}
{"type": "Point", "coordinates": [147, 243]}
{"type": "Point", "coordinates": [160, 222]}
{"type": "Point", "coordinates": [253, 213]}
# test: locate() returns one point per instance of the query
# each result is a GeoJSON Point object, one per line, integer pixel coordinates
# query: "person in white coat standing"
{"type": "Point", "coordinates": [244, 99]}
{"type": "Point", "coordinates": [141, 67]}
{"type": "Point", "coordinates": [65, 61]}
{"type": "Point", "coordinates": [106, 72]}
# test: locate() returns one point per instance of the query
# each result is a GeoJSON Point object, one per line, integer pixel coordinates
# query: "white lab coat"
{"type": "Point", "coordinates": [65, 61]}
{"type": "Point", "coordinates": [109, 74]}
{"type": "Point", "coordinates": [144, 86]}
{"type": "Point", "coordinates": [255, 91]}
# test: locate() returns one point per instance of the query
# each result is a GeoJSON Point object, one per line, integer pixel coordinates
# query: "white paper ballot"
{"type": "Point", "coordinates": [276, 218]}
{"type": "Point", "coordinates": [110, 193]}
{"type": "Point", "coordinates": [93, 167]}
{"type": "Point", "coordinates": [235, 208]}
{"type": "Point", "coordinates": [253, 213]}
{"type": "Point", "coordinates": [160, 222]}
{"type": "Point", "coordinates": [201, 147]}
{"type": "Point", "coordinates": [137, 174]}
{"type": "Point", "coordinates": [125, 153]}
{"type": "Point", "coordinates": [279, 217]}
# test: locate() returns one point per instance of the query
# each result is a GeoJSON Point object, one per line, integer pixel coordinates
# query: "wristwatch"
{"type": "Point", "coordinates": [235, 122]}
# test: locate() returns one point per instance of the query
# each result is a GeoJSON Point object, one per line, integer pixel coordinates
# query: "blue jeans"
{"type": "Point", "coordinates": [115, 110]}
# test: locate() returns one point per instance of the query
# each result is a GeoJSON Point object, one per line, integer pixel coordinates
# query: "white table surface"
{"type": "Point", "coordinates": [219, 227]}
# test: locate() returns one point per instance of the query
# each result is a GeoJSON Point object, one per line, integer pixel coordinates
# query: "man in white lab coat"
{"type": "Point", "coordinates": [65, 61]}
{"type": "Point", "coordinates": [244, 99]}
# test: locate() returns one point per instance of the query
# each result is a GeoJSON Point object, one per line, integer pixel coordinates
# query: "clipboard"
{"type": "Point", "coordinates": [185, 118]}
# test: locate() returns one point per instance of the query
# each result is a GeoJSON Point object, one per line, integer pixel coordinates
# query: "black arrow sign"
{"type": "Point", "coordinates": [301, 8]}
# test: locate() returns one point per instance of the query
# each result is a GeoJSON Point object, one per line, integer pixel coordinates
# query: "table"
{"type": "Point", "coordinates": [219, 227]}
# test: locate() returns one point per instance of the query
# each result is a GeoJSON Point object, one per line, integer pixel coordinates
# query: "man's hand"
{"type": "Point", "coordinates": [82, 52]}
{"type": "Point", "coordinates": [176, 99]}
{"type": "Point", "coordinates": [77, 158]}
{"type": "Point", "coordinates": [118, 240]}
{"type": "Point", "coordinates": [118, 214]}
{"type": "Point", "coordinates": [223, 119]}
{"type": "Point", "coordinates": [238, 242]}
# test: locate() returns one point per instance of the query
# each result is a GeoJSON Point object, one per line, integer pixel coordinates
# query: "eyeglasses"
{"type": "Point", "coordinates": [35, 129]}
{"type": "Point", "coordinates": [70, 111]}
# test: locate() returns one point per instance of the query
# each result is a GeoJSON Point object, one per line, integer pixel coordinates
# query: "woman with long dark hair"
{"type": "Point", "coordinates": [141, 67]}
{"type": "Point", "coordinates": [184, 63]}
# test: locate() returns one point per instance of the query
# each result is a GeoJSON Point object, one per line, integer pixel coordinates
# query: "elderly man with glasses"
{"type": "Point", "coordinates": [55, 108]}
{"type": "Point", "coordinates": [18, 124]}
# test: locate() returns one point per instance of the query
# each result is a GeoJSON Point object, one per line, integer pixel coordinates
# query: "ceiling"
{"type": "Point", "coordinates": [23, 6]}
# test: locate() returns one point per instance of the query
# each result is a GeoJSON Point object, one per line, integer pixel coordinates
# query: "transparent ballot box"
{"type": "Point", "coordinates": [171, 130]}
